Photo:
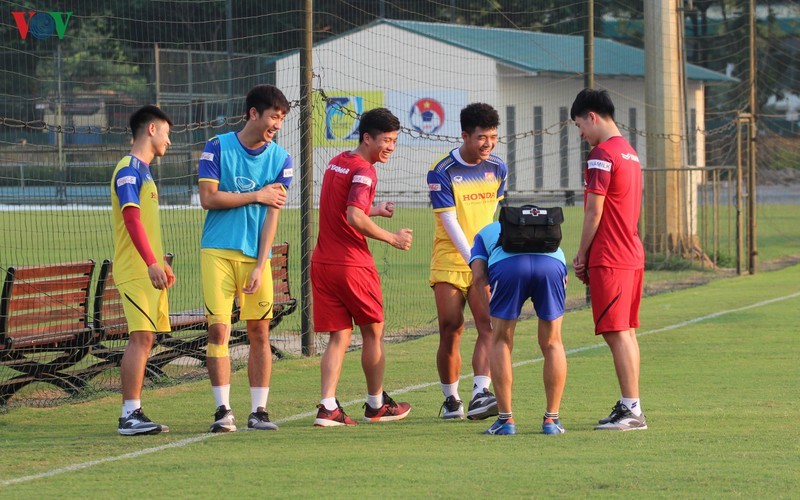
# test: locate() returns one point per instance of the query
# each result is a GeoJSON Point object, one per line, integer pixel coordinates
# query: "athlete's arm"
{"type": "Point", "coordinates": [454, 231]}
{"type": "Point", "coordinates": [382, 209]}
{"type": "Point", "coordinates": [211, 198]}
{"type": "Point", "coordinates": [480, 280]}
{"type": "Point", "coordinates": [268, 231]}
{"type": "Point", "coordinates": [133, 223]}
{"type": "Point", "coordinates": [591, 220]}
{"type": "Point", "coordinates": [362, 223]}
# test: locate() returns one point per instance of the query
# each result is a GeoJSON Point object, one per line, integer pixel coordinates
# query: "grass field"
{"type": "Point", "coordinates": [719, 387]}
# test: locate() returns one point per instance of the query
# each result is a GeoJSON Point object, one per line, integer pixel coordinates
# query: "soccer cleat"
{"type": "Point", "coordinates": [624, 420]}
{"type": "Point", "coordinates": [483, 405]}
{"type": "Point", "coordinates": [259, 421]}
{"type": "Point", "coordinates": [388, 412]}
{"type": "Point", "coordinates": [611, 416]}
{"type": "Point", "coordinates": [452, 408]}
{"type": "Point", "coordinates": [552, 426]}
{"type": "Point", "coordinates": [137, 423]}
{"type": "Point", "coordinates": [332, 418]}
{"type": "Point", "coordinates": [223, 420]}
{"type": "Point", "coordinates": [502, 427]}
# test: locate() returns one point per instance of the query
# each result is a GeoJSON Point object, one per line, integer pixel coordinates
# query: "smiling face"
{"type": "Point", "coordinates": [378, 149]}
{"type": "Point", "coordinates": [478, 145]}
{"type": "Point", "coordinates": [268, 123]}
{"type": "Point", "coordinates": [159, 138]}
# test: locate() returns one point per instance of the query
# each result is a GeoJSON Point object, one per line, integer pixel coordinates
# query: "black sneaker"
{"type": "Point", "coordinates": [611, 416]}
{"type": "Point", "coordinates": [259, 420]}
{"type": "Point", "coordinates": [624, 420]}
{"type": "Point", "coordinates": [223, 420]}
{"type": "Point", "coordinates": [483, 405]}
{"type": "Point", "coordinates": [452, 408]}
{"type": "Point", "coordinates": [137, 423]}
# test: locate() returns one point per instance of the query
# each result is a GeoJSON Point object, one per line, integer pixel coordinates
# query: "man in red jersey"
{"type": "Point", "coordinates": [610, 257]}
{"type": "Point", "coordinates": [344, 280]}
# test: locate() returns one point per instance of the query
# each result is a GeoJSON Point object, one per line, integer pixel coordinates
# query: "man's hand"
{"type": "Point", "coordinates": [273, 195]}
{"type": "Point", "coordinates": [170, 275]}
{"type": "Point", "coordinates": [384, 209]}
{"type": "Point", "coordinates": [254, 283]}
{"type": "Point", "coordinates": [581, 271]}
{"type": "Point", "coordinates": [402, 239]}
{"type": "Point", "coordinates": [158, 277]}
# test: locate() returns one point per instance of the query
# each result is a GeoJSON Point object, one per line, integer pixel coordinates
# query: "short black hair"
{"type": "Point", "coordinates": [264, 97]}
{"type": "Point", "coordinates": [479, 114]}
{"type": "Point", "coordinates": [592, 100]}
{"type": "Point", "coordinates": [142, 117]}
{"type": "Point", "coordinates": [377, 121]}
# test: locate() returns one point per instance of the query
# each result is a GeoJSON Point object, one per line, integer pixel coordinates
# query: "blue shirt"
{"type": "Point", "coordinates": [240, 170]}
{"type": "Point", "coordinates": [487, 247]}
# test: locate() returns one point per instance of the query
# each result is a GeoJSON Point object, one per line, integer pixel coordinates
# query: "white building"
{"type": "Point", "coordinates": [426, 72]}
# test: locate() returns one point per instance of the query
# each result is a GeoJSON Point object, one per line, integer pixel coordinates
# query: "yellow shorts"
{"type": "Point", "coordinates": [223, 281]}
{"type": "Point", "coordinates": [146, 308]}
{"type": "Point", "coordinates": [459, 279]}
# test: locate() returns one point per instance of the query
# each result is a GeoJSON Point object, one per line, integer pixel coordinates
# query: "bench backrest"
{"type": "Point", "coordinates": [280, 273]}
{"type": "Point", "coordinates": [42, 306]}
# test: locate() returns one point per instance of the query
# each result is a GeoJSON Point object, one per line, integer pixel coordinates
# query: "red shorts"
{"type": "Point", "coordinates": [616, 294]}
{"type": "Point", "coordinates": [343, 294]}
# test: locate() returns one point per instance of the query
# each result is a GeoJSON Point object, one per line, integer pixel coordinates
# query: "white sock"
{"type": "Point", "coordinates": [632, 404]}
{"type": "Point", "coordinates": [329, 403]}
{"type": "Point", "coordinates": [451, 390]}
{"type": "Point", "coordinates": [375, 401]}
{"type": "Point", "coordinates": [258, 398]}
{"type": "Point", "coordinates": [481, 382]}
{"type": "Point", "coordinates": [129, 406]}
{"type": "Point", "coordinates": [222, 395]}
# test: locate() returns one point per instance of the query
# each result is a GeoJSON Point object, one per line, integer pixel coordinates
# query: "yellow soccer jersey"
{"type": "Point", "coordinates": [473, 191]}
{"type": "Point", "coordinates": [132, 185]}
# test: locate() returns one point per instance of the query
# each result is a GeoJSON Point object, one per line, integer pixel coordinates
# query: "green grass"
{"type": "Point", "coordinates": [720, 395]}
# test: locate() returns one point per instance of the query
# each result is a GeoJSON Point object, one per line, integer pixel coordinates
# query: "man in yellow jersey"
{"type": "Point", "coordinates": [243, 178]}
{"type": "Point", "coordinates": [465, 187]}
{"type": "Point", "coordinates": [139, 272]}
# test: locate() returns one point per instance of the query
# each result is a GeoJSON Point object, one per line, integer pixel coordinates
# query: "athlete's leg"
{"type": "Point", "coordinates": [483, 345]}
{"type": "Point", "coordinates": [373, 358]}
{"type": "Point", "coordinates": [625, 350]}
{"type": "Point", "coordinates": [219, 363]}
{"type": "Point", "coordinates": [259, 366]}
{"type": "Point", "coordinates": [554, 371]}
{"type": "Point", "coordinates": [450, 309]}
{"type": "Point", "coordinates": [134, 361]}
{"type": "Point", "coordinates": [502, 371]}
{"type": "Point", "coordinates": [331, 361]}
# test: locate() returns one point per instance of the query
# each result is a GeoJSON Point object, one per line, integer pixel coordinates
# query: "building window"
{"type": "Point", "coordinates": [563, 146]}
{"type": "Point", "coordinates": [538, 148]}
{"type": "Point", "coordinates": [511, 148]}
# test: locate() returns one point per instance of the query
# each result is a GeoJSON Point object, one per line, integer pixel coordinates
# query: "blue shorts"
{"type": "Point", "coordinates": [528, 276]}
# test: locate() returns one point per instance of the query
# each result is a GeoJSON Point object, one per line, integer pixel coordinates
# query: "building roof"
{"type": "Point", "coordinates": [545, 52]}
{"type": "Point", "coordinates": [538, 52]}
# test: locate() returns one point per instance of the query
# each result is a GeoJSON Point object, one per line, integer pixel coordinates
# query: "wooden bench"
{"type": "Point", "coordinates": [189, 335]}
{"type": "Point", "coordinates": [44, 324]}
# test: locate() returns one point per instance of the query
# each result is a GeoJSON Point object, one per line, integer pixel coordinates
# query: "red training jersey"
{"type": "Point", "coordinates": [613, 171]}
{"type": "Point", "coordinates": [349, 180]}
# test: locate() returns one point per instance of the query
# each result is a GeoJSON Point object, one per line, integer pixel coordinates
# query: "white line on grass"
{"type": "Point", "coordinates": [202, 437]}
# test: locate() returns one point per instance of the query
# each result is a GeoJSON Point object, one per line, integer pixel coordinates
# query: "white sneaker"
{"type": "Point", "coordinates": [622, 419]}
{"type": "Point", "coordinates": [223, 420]}
{"type": "Point", "coordinates": [452, 408]}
